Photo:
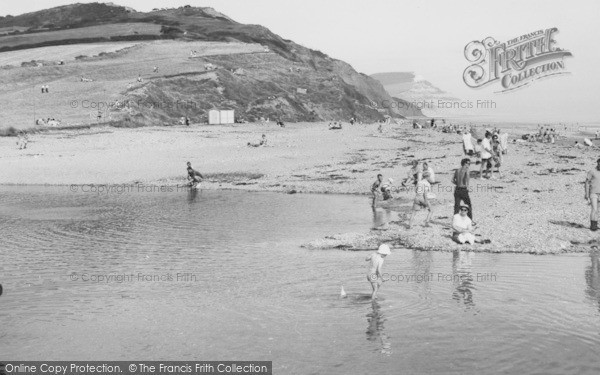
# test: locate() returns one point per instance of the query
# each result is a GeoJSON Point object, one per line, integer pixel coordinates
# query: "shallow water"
{"type": "Point", "coordinates": [220, 275]}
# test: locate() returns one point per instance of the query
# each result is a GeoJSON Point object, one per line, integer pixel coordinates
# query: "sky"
{"type": "Point", "coordinates": [429, 39]}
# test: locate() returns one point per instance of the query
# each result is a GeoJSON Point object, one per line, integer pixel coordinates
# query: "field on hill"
{"type": "Point", "coordinates": [7, 30]}
{"type": "Point", "coordinates": [101, 31]}
{"type": "Point", "coordinates": [110, 77]}
{"type": "Point", "coordinates": [57, 53]}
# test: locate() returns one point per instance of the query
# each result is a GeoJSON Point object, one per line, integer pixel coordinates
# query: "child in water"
{"type": "Point", "coordinates": [194, 176]}
{"type": "Point", "coordinates": [375, 265]}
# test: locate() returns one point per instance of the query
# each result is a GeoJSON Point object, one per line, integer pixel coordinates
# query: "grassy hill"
{"type": "Point", "coordinates": [257, 73]}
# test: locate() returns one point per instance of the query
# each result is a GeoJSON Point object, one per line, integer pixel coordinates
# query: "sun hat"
{"type": "Point", "coordinates": [463, 204]}
{"type": "Point", "coordinates": [384, 249]}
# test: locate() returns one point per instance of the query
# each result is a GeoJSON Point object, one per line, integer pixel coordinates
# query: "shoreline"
{"type": "Point", "coordinates": [540, 193]}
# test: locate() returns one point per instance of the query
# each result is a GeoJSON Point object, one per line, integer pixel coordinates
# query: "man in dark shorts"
{"type": "Point", "coordinates": [194, 176]}
{"type": "Point", "coordinates": [461, 192]}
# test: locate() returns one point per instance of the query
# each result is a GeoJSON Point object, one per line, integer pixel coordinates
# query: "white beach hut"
{"type": "Point", "coordinates": [223, 116]}
{"type": "Point", "coordinates": [214, 117]}
{"type": "Point", "coordinates": [227, 116]}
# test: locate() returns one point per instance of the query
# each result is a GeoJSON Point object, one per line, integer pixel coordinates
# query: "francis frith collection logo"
{"type": "Point", "coordinates": [515, 63]}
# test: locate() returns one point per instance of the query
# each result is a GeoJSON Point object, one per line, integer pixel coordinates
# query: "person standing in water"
{"type": "Point", "coordinates": [374, 275]}
{"type": "Point", "coordinates": [193, 176]}
{"type": "Point", "coordinates": [375, 188]}
{"type": "Point", "coordinates": [422, 199]}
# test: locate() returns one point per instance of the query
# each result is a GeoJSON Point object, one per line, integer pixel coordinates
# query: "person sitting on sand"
{"type": "Point", "coordinates": [592, 192]}
{"type": "Point", "coordinates": [463, 226]}
{"type": "Point", "coordinates": [422, 199]}
{"type": "Point", "coordinates": [263, 142]}
{"type": "Point", "coordinates": [376, 186]}
{"type": "Point", "coordinates": [412, 174]}
{"type": "Point", "coordinates": [428, 173]}
{"type": "Point", "coordinates": [374, 275]}
{"type": "Point", "coordinates": [193, 176]}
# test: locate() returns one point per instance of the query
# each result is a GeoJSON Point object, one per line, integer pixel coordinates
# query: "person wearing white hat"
{"type": "Point", "coordinates": [374, 275]}
{"type": "Point", "coordinates": [463, 226]}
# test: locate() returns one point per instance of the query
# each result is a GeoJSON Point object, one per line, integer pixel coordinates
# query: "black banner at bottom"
{"type": "Point", "coordinates": [136, 367]}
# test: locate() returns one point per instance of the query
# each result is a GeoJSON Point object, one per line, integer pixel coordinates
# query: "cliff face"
{"type": "Point", "coordinates": [285, 80]}
{"type": "Point", "coordinates": [421, 96]}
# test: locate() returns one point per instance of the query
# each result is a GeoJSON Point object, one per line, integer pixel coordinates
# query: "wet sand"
{"type": "Point", "coordinates": [536, 207]}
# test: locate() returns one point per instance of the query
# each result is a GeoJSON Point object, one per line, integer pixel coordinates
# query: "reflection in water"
{"type": "Point", "coordinates": [462, 277]}
{"type": "Point", "coordinates": [592, 278]}
{"type": "Point", "coordinates": [375, 330]}
{"type": "Point", "coordinates": [381, 216]}
{"type": "Point", "coordinates": [421, 266]}
{"type": "Point", "coordinates": [192, 193]}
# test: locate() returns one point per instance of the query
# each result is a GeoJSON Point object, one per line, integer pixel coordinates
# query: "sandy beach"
{"type": "Point", "coordinates": [537, 207]}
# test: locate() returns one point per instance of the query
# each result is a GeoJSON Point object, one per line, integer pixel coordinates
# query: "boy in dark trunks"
{"type": "Point", "coordinates": [461, 192]}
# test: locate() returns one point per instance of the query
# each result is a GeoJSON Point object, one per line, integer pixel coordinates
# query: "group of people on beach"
{"type": "Point", "coordinates": [544, 135]}
{"type": "Point", "coordinates": [421, 175]}
{"type": "Point", "coordinates": [489, 151]}
{"type": "Point", "coordinates": [335, 125]}
{"type": "Point", "coordinates": [441, 126]}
